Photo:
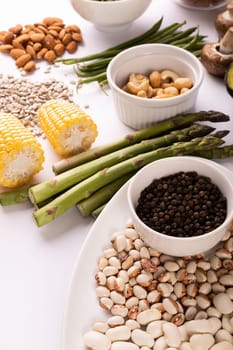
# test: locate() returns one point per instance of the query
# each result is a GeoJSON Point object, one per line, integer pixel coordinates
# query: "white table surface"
{"type": "Point", "coordinates": [36, 264]}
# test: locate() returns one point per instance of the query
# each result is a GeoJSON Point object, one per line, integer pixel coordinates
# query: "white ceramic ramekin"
{"type": "Point", "coordinates": [138, 112]}
{"type": "Point", "coordinates": [180, 246]}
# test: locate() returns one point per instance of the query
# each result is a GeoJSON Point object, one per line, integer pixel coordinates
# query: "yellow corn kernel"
{"type": "Point", "coordinates": [68, 129]}
{"type": "Point", "coordinates": [21, 155]}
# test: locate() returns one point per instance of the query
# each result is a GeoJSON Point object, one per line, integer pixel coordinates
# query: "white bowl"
{"type": "Point", "coordinates": [138, 112]}
{"type": "Point", "coordinates": [180, 246]}
{"type": "Point", "coordinates": [113, 15]}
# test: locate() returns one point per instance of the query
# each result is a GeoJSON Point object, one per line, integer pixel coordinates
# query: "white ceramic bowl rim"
{"type": "Point", "coordinates": [144, 50]}
{"type": "Point", "coordinates": [211, 164]}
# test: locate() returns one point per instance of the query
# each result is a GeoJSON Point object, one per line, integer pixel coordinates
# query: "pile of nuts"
{"type": "Point", "coordinates": [157, 84]}
{"type": "Point", "coordinates": [162, 302]}
{"type": "Point", "coordinates": [46, 40]}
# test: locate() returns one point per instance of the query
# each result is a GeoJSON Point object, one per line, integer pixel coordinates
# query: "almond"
{"type": "Point", "coordinates": [16, 29]}
{"type": "Point", "coordinates": [77, 37]}
{"type": "Point", "coordinates": [75, 28]}
{"type": "Point", "coordinates": [72, 46]}
{"type": "Point", "coordinates": [48, 21]}
{"type": "Point", "coordinates": [21, 38]}
{"type": "Point", "coordinates": [59, 49]}
{"type": "Point", "coordinates": [16, 53]}
{"type": "Point", "coordinates": [50, 56]}
{"type": "Point", "coordinates": [37, 46]}
{"type": "Point", "coordinates": [8, 38]}
{"type": "Point", "coordinates": [37, 37]}
{"type": "Point", "coordinates": [41, 53]}
{"type": "Point", "coordinates": [6, 48]}
{"type": "Point", "coordinates": [30, 49]}
{"type": "Point", "coordinates": [29, 66]}
{"type": "Point", "coordinates": [22, 60]}
{"type": "Point", "coordinates": [67, 39]}
{"type": "Point", "coordinates": [49, 42]}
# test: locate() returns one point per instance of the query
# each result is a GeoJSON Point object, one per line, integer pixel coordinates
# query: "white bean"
{"type": "Point", "coordinates": [223, 303]}
{"type": "Point", "coordinates": [223, 345]}
{"type": "Point", "coordinates": [148, 316]}
{"type": "Point", "coordinates": [122, 345]}
{"type": "Point", "coordinates": [171, 334]}
{"type": "Point", "coordinates": [201, 341]}
{"type": "Point", "coordinates": [160, 344]}
{"type": "Point", "coordinates": [118, 333]}
{"type": "Point", "coordinates": [100, 326]}
{"type": "Point", "coordinates": [141, 338]}
{"type": "Point", "coordinates": [96, 341]}
{"type": "Point", "coordinates": [222, 335]}
{"type": "Point", "coordinates": [115, 321]}
{"type": "Point", "coordinates": [155, 329]}
{"type": "Point", "coordinates": [185, 346]}
{"type": "Point", "coordinates": [132, 324]}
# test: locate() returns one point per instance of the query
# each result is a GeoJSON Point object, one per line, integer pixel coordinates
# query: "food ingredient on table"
{"type": "Point", "coordinates": [216, 57]}
{"type": "Point", "coordinates": [45, 40]}
{"type": "Point", "coordinates": [224, 20]}
{"type": "Point", "coordinates": [67, 127]}
{"type": "Point", "coordinates": [21, 155]}
{"type": "Point", "coordinates": [203, 4]}
{"type": "Point", "coordinates": [229, 79]}
{"type": "Point", "coordinates": [153, 300]}
{"type": "Point", "coordinates": [102, 196]}
{"type": "Point", "coordinates": [182, 204]}
{"type": "Point", "coordinates": [14, 196]}
{"type": "Point", "coordinates": [43, 191]}
{"type": "Point", "coordinates": [157, 84]}
{"type": "Point", "coordinates": [158, 129]}
{"type": "Point", "coordinates": [23, 97]}
{"type": "Point", "coordinates": [85, 188]}
{"type": "Point", "coordinates": [92, 68]}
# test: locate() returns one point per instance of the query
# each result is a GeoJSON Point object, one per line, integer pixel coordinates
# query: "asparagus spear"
{"type": "Point", "coordinates": [216, 153]}
{"type": "Point", "coordinates": [158, 129]}
{"type": "Point", "coordinates": [41, 192]}
{"type": "Point", "coordinates": [84, 189]}
{"type": "Point", "coordinates": [102, 196]}
{"type": "Point", "coordinates": [14, 196]}
{"type": "Point", "coordinates": [97, 211]}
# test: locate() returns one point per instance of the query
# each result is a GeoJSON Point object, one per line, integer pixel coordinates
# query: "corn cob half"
{"type": "Point", "coordinates": [21, 155]}
{"type": "Point", "coordinates": [68, 129]}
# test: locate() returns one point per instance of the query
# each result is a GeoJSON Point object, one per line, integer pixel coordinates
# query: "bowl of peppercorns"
{"type": "Point", "coordinates": [182, 205]}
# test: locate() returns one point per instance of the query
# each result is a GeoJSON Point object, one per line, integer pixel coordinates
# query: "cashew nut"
{"type": "Point", "coordinates": [168, 76]}
{"type": "Point", "coordinates": [136, 83]}
{"type": "Point", "coordinates": [180, 83]}
{"type": "Point", "coordinates": [155, 79]}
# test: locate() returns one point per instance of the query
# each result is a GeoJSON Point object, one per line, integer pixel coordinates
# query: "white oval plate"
{"type": "Point", "coordinates": [82, 308]}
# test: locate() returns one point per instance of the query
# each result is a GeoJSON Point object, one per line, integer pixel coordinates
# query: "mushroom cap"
{"type": "Point", "coordinates": [214, 61]}
{"type": "Point", "coordinates": [223, 21]}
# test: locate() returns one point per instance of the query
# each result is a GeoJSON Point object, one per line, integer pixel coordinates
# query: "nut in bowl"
{"type": "Point", "coordinates": [138, 112]}
{"type": "Point", "coordinates": [111, 15]}
{"type": "Point", "coordinates": [189, 198]}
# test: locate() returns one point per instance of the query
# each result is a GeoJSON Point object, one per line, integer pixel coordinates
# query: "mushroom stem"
{"type": "Point", "coordinates": [226, 44]}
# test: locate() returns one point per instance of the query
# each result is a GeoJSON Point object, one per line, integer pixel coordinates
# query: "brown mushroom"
{"type": "Point", "coordinates": [224, 20]}
{"type": "Point", "coordinates": [216, 57]}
